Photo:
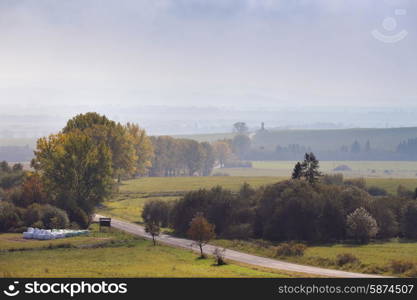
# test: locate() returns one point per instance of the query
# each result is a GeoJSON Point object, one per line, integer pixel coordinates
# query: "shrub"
{"type": "Point", "coordinates": [53, 217]}
{"type": "Point", "coordinates": [239, 231]}
{"type": "Point", "coordinates": [14, 195]}
{"type": "Point", "coordinates": [346, 258]}
{"type": "Point", "coordinates": [358, 182]}
{"type": "Point", "coordinates": [33, 214]}
{"type": "Point", "coordinates": [9, 217]}
{"type": "Point", "coordinates": [409, 220]}
{"type": "Point", "coordinates": [333, 179]}
{"type": "Point", "coordinates": [400, 266]}
{"type": "Point", "coordinates": [403, 192]}
{"type": "Point", "coordinates": [156, 212]}
{"type": "Point", "coordinates": [386, 218]}
{"type": "Point", "coordinates": [412, 273]}
{"type": "Point", "coordinates": [74, 226]}
{"type": "Point", "coordinates": [37, 224]}
{"type": "Point", "coordinates": [78, 216]}
{"type": "Point", "coordinates": [377, 191]}
{"type": "Point", "coordinates": [219, 255]}
{"type": "Point", "coordinates": [291, 249]}
{"type": "Point", "coordinates": [342, 168]}
{"type": "Point", "coordinates": [361, 225]}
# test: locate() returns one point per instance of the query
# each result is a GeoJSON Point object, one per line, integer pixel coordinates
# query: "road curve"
{"type": "Point", "coordinates": [237, 256]}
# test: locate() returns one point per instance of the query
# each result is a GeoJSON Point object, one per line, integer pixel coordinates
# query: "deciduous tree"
{"type": "Point", "coordinates": [76, 172]}
{"type": "Point", "coordinates": [201, 231]}
{"type": "Point", "coordinates": [361, 225]}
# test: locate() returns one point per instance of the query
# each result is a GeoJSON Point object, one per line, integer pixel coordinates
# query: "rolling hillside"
{"type": "Point", "coordinates": [332, 139]}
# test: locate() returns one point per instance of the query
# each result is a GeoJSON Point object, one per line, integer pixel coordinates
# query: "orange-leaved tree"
{"type": "Point", "coordinates": [201, 231]}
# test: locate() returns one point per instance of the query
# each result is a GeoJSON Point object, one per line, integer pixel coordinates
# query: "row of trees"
{"type": "Point", "coordinates": [176, 157]}
{"type": "Point", "coordinates": [185, 157]}
{"type": "Point", "coordinates": [294, 210]}
{"type": "Point", "coordinates": [77, 168]}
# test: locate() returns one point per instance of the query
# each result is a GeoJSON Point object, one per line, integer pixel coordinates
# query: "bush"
{"type": "Point", "coordinates": [239, 231]}
{"type": "Point", "coordinates": [403, 192]}
{"type": "Point", "coordinates": [38, 224]}
{"type": "Point", "coordinates": [342, 168]}
{"type": "Point", "coordinates": [358, 182]}
{"type": "Point", "coordinates": [14, 195]}
{"type": "Point", "coordinates": [386, 217]}
{"type": "Point", "coordinates": [361, 226]}
{"type": "Point", "coordinates": [409, 220]}
{"type": "Point", "coordinates": [377, 191]}
{"type": "Point", "coordinates": [157, 212]}
{"type": "Point", "coordinates": [412, 273]}
{"type": "Point", "coordinates": [332, 179]}
{"type": "Point", "coordinates": [53, 217]}
{"type": "Point", "coordinates": [346, 258]}
{"type": "Point", "coordinates": [400, 266]}
{"type": "Point", "coordinates": [9, 217]}
{"type": "Point", "coordinates": [33, 215]}
{"type": "Point", "coordinates": [219, 255]}
{"type": "Point", "coordinates": [78, 216]}
{"type": "Point", "coordinates": [290, 249]}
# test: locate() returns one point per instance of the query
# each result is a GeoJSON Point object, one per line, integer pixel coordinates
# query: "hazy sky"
{"type": "Point", "coordinates": [208, 52]}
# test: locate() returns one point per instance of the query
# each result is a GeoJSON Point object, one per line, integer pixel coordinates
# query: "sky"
{"type": "Point", "coordinates": [240, 53]}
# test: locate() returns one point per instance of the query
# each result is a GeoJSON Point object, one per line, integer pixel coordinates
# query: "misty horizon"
{"type": "Point", "coordinates": [207, 53]}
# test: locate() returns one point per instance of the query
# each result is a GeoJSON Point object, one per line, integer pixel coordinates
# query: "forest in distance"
{"type": "Point", "coordinates": [263, 144]}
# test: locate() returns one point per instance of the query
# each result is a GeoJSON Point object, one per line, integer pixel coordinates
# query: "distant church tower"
{"type": "Point", "coordinates": [262, 126]}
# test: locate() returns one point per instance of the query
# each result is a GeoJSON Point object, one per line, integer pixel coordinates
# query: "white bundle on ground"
{"type": "Point", "coordinates": [47, 234]}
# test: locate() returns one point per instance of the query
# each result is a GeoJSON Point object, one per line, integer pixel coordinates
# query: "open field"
{"type": "Point", "coordinates": [374, 257]}
{"type": "Point", "coordinates": [207, 137]}
{"type": "Point", "coordinates": [111, 254]}
{"type": "Point", "coordinates": [368, 169]}
{"type": "Point", "coordinates": [172, 185]}
{"type": "Point", "coordinates": [133, 194]}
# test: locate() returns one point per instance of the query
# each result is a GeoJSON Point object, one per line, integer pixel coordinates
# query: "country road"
{"type": "Point", "coordinates": [237, 256]}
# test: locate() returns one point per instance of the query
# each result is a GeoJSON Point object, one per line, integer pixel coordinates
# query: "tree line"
{"type": "Point", "coordinates": [74, 171]}
{"type": "Point", "coordinates": [181, 157]}
{"type": "Point", "coordinates": [80, 166]}
{"type": "Point", "coordinates": [326, 209]}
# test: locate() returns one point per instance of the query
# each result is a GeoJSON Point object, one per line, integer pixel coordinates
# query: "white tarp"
{"type": "Point", "coordinates": [48, 234]}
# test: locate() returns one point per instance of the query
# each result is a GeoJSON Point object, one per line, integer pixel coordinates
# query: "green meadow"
{"type": "Point", "coordinates": [367, 169]}
{"type": "Point", "coordinates": [111, 254]}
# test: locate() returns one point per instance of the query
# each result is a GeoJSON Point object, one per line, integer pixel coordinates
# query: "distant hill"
{"type": "Point", "coordinates": [326, 142]}
{"type": "Point", "coordinates": [386, 139]}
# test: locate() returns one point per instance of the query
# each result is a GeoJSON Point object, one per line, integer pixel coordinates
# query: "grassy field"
{"type": "Point", "coordinates": [133, 194]}
{"type": "Point", "coordinates": [373, 258]}
{"type": "Point", "coordinates": [111, 254]}
{"type": "Point", "coordinates": [368, 169]}
{"type": "Point", "coordinates": [208, 137]}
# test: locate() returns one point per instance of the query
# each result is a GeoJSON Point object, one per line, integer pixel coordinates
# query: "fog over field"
{"type": "Point", "coordinates": [197, 66]}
